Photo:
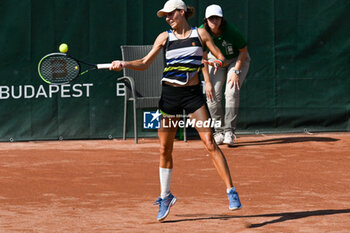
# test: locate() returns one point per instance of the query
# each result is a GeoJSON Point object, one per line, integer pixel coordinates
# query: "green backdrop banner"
{"type": "Point", "coordinates": [299, 77]}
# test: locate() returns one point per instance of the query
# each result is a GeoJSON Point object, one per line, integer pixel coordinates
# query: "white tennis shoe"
{"type": "Point", "coordinates": [219, 138]}
{"type": "Point", "coordinates": [229, 138]}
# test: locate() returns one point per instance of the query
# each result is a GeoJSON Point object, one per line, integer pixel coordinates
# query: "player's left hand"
{"type": "Point", "coordinates": [216, 64]}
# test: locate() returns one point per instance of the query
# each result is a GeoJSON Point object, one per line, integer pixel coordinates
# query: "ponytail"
{"type": "Point", "coordinates": [190, 12]}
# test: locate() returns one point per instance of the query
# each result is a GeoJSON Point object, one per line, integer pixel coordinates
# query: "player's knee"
{"type": "Point", "coordinates": [165, 150]}
{"type": "Point", "coordinates": [210, 145]}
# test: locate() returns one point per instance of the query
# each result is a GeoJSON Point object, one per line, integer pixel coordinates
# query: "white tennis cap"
{"type": "Point", "coordinates": [213, 10]}
{"type": "Point", "coordinates": [170, 6]}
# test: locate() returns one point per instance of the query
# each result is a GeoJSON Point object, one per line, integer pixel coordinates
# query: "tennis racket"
{"type": "Point", "coordinates": [60, 68]}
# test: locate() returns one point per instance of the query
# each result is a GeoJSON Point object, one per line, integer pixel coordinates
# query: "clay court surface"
{"type": "Point", "coordinates": [287, 183]}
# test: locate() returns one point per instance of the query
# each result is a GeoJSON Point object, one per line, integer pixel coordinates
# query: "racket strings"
{"type": "Point", "coordinates": [59, 69]}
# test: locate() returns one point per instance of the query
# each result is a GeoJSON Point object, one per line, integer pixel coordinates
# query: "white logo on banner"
{"type": "Point", "coordinates": [45, 91]}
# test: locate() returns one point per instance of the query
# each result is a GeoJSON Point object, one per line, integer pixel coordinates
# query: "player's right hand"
{"type": "Point", "coordinates": [117, 65]}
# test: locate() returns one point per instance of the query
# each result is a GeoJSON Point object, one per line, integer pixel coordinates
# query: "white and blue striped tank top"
{"type": "Point", "coordinates": [183, 57]}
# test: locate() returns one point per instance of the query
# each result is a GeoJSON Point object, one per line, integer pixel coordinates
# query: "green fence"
{"type": "Point", "coordinates": [299, 77]}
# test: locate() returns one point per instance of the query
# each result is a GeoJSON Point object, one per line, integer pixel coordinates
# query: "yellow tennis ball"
{"type": "Point", "coordinates": [63, 48]}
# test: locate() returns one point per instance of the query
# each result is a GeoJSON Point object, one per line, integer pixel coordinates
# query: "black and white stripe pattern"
{"type": "Point", "coordinates": [183, 57]}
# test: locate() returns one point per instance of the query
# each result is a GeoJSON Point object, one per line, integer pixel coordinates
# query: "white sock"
{"type": "Point", "coordinates": [229, 190]}
{"type": "Point", "coordinates": [165, 177]}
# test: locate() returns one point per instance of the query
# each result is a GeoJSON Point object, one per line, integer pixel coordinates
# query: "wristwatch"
{"type": "Point", "coordinates": [237, 71]}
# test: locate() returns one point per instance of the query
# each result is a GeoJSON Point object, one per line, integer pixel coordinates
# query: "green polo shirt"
{"type": "Point", "coordinates": [229, 42]}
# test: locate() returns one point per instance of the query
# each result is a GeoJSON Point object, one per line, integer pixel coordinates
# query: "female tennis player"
{"type": "Point", "coordinates": [181, 89]}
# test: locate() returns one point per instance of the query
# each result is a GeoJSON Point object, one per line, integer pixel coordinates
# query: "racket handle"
{"type": "Point", "coordinates": [104, 66]}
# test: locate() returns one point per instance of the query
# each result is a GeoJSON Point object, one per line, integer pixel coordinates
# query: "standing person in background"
{"type": "Point", "coordinates": [234, 47]}
{"type": "Point", "coordinates": [181, 90]}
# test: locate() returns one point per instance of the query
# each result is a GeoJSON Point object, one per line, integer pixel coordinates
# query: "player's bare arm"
{"type": "Point", "coordinates": [145, 62]}
{"type": "Point", "coordinates": [208, 86]}
{"type": "Point", "coordinates": [209, 43]}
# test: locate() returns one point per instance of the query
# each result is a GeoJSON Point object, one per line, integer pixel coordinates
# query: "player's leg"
{"type": "Point", "coordinates": [166, 136]}
{"type": "Point", "coordinates": [217, 156]}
